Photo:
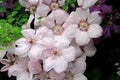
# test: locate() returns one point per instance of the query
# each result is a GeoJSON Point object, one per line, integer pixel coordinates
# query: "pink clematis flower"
{"type": "Point", "coordinates": [84, 25]}
{"type": "Point", "coordinates": [86, 3]}
{"type": "Point", "coordinates": [29, 45]}
{"type": "Point", "coordinates": [49, 5]}
{"type": "Point", "coordinates": [58, 55]}
{"type": "Point", "coordinates": [55, 21]}
{"type": "Point", "coordinates": [7, 62]}
{"type": "Point", "coordinates": [76, 69]}
{"type": "Point", "coordinates": [24, 69]}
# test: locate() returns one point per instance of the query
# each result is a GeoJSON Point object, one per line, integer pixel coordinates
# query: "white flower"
{"type": "Point", "coordinates": [86, 3]}
{"type": "Point", "coordinates": [49, 5]}
{"type": "Point", "coordinates": [59, 55]}
{"type": "Point", "coordinates": [29, 45]}
{"type": "Point", "coordinates": [85, 25]}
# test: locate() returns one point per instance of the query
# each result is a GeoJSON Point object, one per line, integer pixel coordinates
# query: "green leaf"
{"type": "Point", "coordinates": [14, 13]}
{"type": "Point", "coordinates": [118, 72]}
{"type": "Point", "coordinates": [10, 20]}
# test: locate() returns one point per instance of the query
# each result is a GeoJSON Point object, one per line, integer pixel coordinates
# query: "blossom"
{"type": "Point", "coordinates": [101, 6]}
{"type": "Point", "coordinates": [49, 5]}
{"type": "Point", "coordinates": [76, 69]}
{"type": "Point", "coordinates": [86, 24]}
{"type": "Point", "coordinates": [55, 21]}
{"type": "Point", "coordinates": [7, 62]}
{"type": "Point", "coordinates": [110, 24]}
{"type": "Point", "coordinates": [29, 45]}
{"type": "Point", "coordinates": [86, 3]}
{"type": "Point", "coordinates": [58, 55]}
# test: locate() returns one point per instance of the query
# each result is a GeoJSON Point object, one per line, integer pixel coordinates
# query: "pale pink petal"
{"type": "Point", "coordinates": [90, 49]}
{"type": "Point", "coordinates": [95, 31]}
{"type": "Point", "coordinates": [78, 50]}
{"type": "Point", "coordinates": [70, 31]}
{"type": "Point", "coordinates": [80, 76]}
{"type": "Point", "coordinates": [37, 21]}
{"type": "Point", "coordinates": [83, 13]}
{"type": "Point", "coordinates": [33, 2]}
{"type": "Point", "coordinates": [22, 47]}
{"type": "Point", "coordinates": [55, 76]}
{"type": "Point", "coordinates": [80, 2]}
{"type": "Point", "coordinates": [31, 17]}
{"type": "Point", "coordinates": [25, 26]}
{"type": "Point", "coordinates": [24, 3]}
{"type": "Point", "coordinates": [88, 3]}
{"type": "Point", "coordinates": [48, 64]}
{"type": "Point", "coordinates": [5, 68]}
{"type": "Point", "coordinates": [60, 16]}
{"type": "Point", "coordinates": [34, 67]}
{"type": "Point", "coordinates": [62, 41]}
{"type": "Point", "coordinates": [35, 52]}
{"type": "Point", "coordinates": [73, 18]}
{"type": "Point", "coordinates": [82, 38]}
{"type": "Point", "coordinates": [60, 64]}
{"type": "Point", "coordinates": [47, 1]}
{"type": "Point", "coordinates": [16, 70]}
{"type": "Point", "coordinates": [47, 42]}
{"type": "Point", "coordinates": [43, 32]}
{"type": "Point", "coordinates": [48, 21]}
{"type": "Point", "coordinates": [42, 10]}
{"type": "Point", "coordinates": [5, 61]}
{"type": "Point", "coordinates": [24, 76]}
{"type": "Point", "coordinates": [79, 66]}
{"type": "Point", "coordinates": [69, 54]}
{"type": "Point", "coordinates": [10, 57]}
{"type": "Point", "coordinates": [94, 18]}
{"type": "Point", "coordinates": [61, 2]}
{"type": "Point", "coordinates": [28, 33]}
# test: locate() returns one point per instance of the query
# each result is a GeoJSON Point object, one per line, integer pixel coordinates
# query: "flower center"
{"type": "Point", "coordinates": [54, 5]}
{"type": "Point", "coordinates": [32, 9]}
{"type": "Point", "coordinates": [56, 52]}
{"type": "Point", "coordinates": [43, 76]}
{"type": "Point", "coordinates": [83, 25]}
{"type": "Point", "coordinates": [31, 41]}
{"type": "Point", "coordinates": [57, 30]}
{"type": "Point", "coordinates": [98, 3]}
{"type": "Point", "coordinates": [110, 23]}
{"type": "Point", "coordinates": [68, 76]}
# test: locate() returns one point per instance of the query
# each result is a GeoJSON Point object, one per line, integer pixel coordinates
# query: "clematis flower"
{"type": "Point", "coordinates": [86, 24]}
{"type": "Point", "coordinates": [58, 55]}
{"type": "Point", "coordinates": [101, 6]}
{"type": "Point", "coordinates": [7, 62]}
{"type": "Point", "coordinates": [55, 21]}
{"type": "Point", "coordinates": [86, 3]}
{"type": "Point", "coordinates": [20, 69]}
{"type": "Point", "coordinates": [49, 5]}
{"type": "Point", "coordinates": [76, 69]}
{"type": "Point", "coordinates": [29, 45]}
{"type": "Point", "coordinates": [111, 24]}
